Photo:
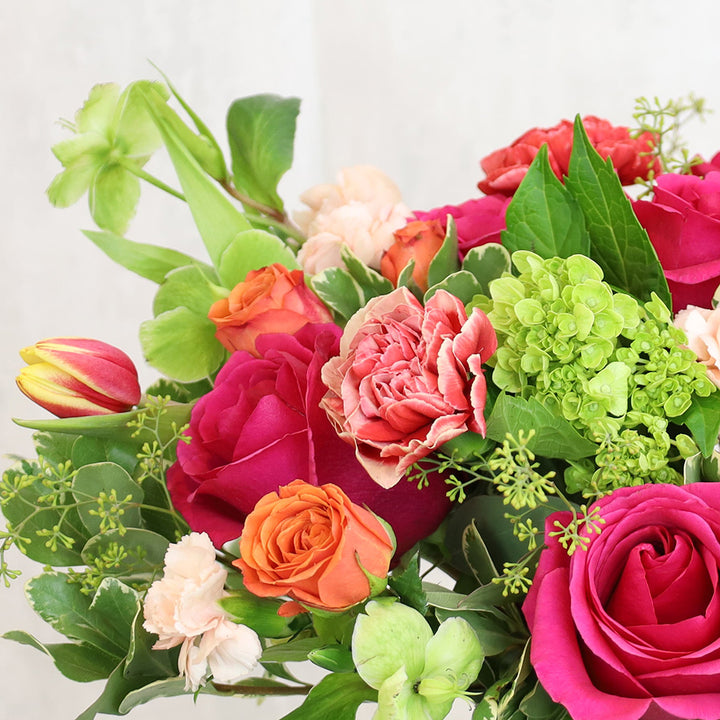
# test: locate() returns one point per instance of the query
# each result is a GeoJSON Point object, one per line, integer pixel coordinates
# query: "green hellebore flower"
{"type": "Point", "coordinates": [114, 137]}
{"type": "Point", "coordinates": [418, 675]}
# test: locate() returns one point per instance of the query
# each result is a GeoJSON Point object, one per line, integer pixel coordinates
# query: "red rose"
{"type": "Point", "coordinates": [629, 628]}
{"type": "Point", "coordinates": [261, 427]}
{"type": "Point", "coordinates": [270, 300]}
{"type": "Point", "coordinates": [505, 168]}
{"type": "Point", "coordinates": [683, 222]}
{"type": "Point", "coordinates": [478, 221]}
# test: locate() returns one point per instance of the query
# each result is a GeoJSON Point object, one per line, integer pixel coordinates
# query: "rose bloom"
{"type": "Point", "coordinates": [506, 168]}
{"type": "Point", "coordinates": [270, 300]}
{"type": "Point", "coordinates": [478, 221]}
{"type": "Point", "coordinates": [630, 627]}
{"type": "Point", "coordinates": [420, 241]}
{"type": "Point", "coordinates": [702, 327]}
{"type": "Point", "coordinates": [314, 545]}
{"type": "Point", "coordinates": [362, 212]}
{"type": "Point", "coordinates": [261, 427]}
{"type": "Point", "coordinates": [705, 166]}
{"type": "Point", "coordinates": [408, 379]}
{"type": "Point", "coordinates": [683, 222]}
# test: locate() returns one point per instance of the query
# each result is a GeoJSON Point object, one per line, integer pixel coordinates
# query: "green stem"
{"type": "Point", "coordinates": [263, 690]}
{"type": "Point", "coordinates": [140, 173]}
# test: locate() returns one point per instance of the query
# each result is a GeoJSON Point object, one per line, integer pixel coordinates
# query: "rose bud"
{"type": "Point", "coordinates": [73, 377]}
{"type": "Point", "coordinates": [420, 241]}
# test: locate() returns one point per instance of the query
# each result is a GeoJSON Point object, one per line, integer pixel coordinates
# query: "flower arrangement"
{"type": "Point", "coordinates": [461, 453]}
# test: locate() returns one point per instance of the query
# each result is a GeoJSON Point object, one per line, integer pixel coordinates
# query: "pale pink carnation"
{"type": "Point", "coordinates": [702, 327]}
{"type": "Point", "coordinates": [361, 212]}
{"type": "Point", "coordinates": [408, 379]}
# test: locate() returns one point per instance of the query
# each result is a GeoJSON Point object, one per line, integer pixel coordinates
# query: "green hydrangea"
{"type": "Point", "coordinates": [615, 368]}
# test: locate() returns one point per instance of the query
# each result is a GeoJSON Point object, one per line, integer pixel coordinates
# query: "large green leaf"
{"type": "Point", "coordinates": [554, 436]}
{"type": "Point", "coordinates": [79, 662]}
{"type": "Point", "coordinates": [181, 344]}
{"type": "Point", "coordinates": [149, 261]}
{"type": "Point", "coordinates": [261, 133]}
{"type": "Point", "coordinates": [543, 216]}
{"type": "Point", "coordinates": [252, 250]}
{"type": "Point", "coordinates": [217, 219]}
{"type": "Point", "coordinates": [194, 287]}
{"type": "Point", "coordinates": [618, 243]}
{"type": "Point", "coordinates": [336, 696]}
{"type": "Point", "coordinates": [703, 420]}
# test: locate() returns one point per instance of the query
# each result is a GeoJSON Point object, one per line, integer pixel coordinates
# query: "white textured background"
{"type": "Point", "coordinates": [419, 88]}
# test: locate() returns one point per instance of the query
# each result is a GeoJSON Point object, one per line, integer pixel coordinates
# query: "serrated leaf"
{"type": "Point", "coordinates": [618, 243]}
{"type": "Point", "coordinates": [92, 480]}
{"type": "Point", "coordinates": [81, 663]}
{"type": "Point", "coordinates": [113, 198]}
{"type": "Point", "coordinates": [217, 219]}
{"type": "Point", "coordinates": [181, 344]}
{"type": "Point", "coordinates": [252, 250]}
{"type": "Point", "coordinates": [149, 261]}
{"type": "Point", "coordinates": [446, 260]}
{"type": "Point", "coordinates": [261, 133]}
{"type": "Point", "coordinates": [336, 696]}
{"type": "Point", "coordinates": [461, 284]}
{"type": "Point", "coordinates": [554, 436]}
{"type": "Point", "coordinates": [543, 216]}
{"type": "Point", "coordinates": [487, 263]}
{"type": "Point", "coordinates": [339, 291]}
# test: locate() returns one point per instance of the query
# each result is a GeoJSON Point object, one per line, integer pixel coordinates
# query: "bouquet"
{"type": "Point", "coordinates": [460, 454]}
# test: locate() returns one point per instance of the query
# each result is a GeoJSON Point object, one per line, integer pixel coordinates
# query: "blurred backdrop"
{"type": "Point", "coordinates": [421, 89]}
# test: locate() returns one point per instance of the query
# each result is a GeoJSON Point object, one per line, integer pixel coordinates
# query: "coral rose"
{"type": "Point", "coordinates": [408, 379]}
{"type": "Point", "coordinates": [629, 628]}
{"type": "Point", "coordinates": [270, 300]}
{"type": "Point", "coordinates": [420, 241]}
{"type": "Point", "coordinates": [478, 221]}
{"type": "Point", "coordinates": [361, 212]}
{"type": "Point", "coordinates": [702, 327]}
{"type": "Point", "coordinates": [261, 427]}
{"type": "Point", "coordinates": [314, 545]}
{"type": "Point", "coordinates": [506, 168]}
{"type": "Point", "coordinates": [683, 222]}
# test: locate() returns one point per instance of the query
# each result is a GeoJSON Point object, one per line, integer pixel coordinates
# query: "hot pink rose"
{"type": "Point", "coordinates": [505, 168]}
{"type": "Point", "coordinates": [478, 221]}
{"type": "Point", "coordinates": [261, 427]}
{"type": "Point", "coordinates": [705, 166]}
{"type": "Point", "coordinates": [630, 627]}
{"type": "Point", "coordinates": [408, 379]}
{"type": "Point", "coordinates": [683, 221]}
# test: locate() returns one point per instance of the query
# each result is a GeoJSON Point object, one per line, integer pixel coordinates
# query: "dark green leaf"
{"type": "Point", "coordinates": [143, 661]}
{"type": "Point", "coordinates": [440, 597]}
{"type": "Point", "coordinates": [702, 418]}
{"type": "Point", "coordinates": [554, 436]}
{"type": "Point", "coordinates": [149, 261]}
{"type": "Point", "coordinates": [618, 243]}
{"type": "Point", "coordinates": [87, 450]}
{"type": "Point", "coordinates": [543, 216]}
{"type": "Point", "coordinates": [54, 447]}
{"type": "Point", "coordinates": [116, 689]}
{"type": "Point", "coordinates": [477, 555]}
{"type": "Point", "coordinates": [335, 697]}
{"type": "Point", "coordinates": [261, 132]}
{"type": "Point", "coordinates": [405, 580]}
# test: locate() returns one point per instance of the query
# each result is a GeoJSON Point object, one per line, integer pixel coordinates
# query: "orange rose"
{"type": "Point", "coordinates": [312, 544]}
{"type": "Point", "coordinates": [419, 240]}
{"type": "Point", "coordinates": [270, 300]}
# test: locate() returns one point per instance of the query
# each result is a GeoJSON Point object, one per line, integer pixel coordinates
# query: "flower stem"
{"type": "Point", "coordinates": [263, 690]}
{"type": "Point", "coordinates": [140, 173]}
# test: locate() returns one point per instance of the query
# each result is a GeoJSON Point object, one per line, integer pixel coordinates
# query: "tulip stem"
{"type": "Point", "coordinates": [263, 690]}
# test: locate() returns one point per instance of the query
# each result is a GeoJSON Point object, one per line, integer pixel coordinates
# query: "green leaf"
{"type": "Point", "coordinates": [181, 344]}
{"type": "Point", "coordinates": [252, 250]}
{"type": "Point", "coordinates": [87, 450]}
{"type": "Point", "coordinates": [261, 133]}
{"type": "Point", "coordinates": [292, 651]}
{"type": "Point", "coordinates": [103, 621]}
{"type": "Point", "coordinates": [618, 243]}
{"type": "Point", "coordinates": [114, 195]}
{"type": "Point", "coordinates": [702, 418]}
{"type": "Point", "coordinates": [477, 555]}
{"type": "Point", "coordinates": [149, 261]}
{"type": "Point", "coordinates": [260, 614]}
{"type": "Point", "coordinates": [217, 219]}
{"type": "Point", "coordinates": [440, 597]}
{"type": "Point", "coordinates": [487, 263]}
{"type": "Point", "coordinates": [81, 663]}
{"type": "Point", "coordinates": [462, 285]}
{"type": "Point", "coordinates": [193, 287]}
{"type": "Point", "coordinates": [339, 291]}
{"type": "Point", "coordinates": [169, 687]}
{"type": "Point", "coordinates": [446, 260]}
{"type": "Point", "coordinates": [336, 658]}
{"type": "Point", "coordinates": [543, 216]}
{"type": "Point", "coordinates": [371, 282]}
{"type": "Point", "coordinates": [554, 436]}
{"type": "Point", "coordinates": [335, 697]}
{"type": "Point", "coordinates": [405, 580]}
{"type": "Point", "coordinates": [116, 689]}
{"type": "Point", "coordinates": [92, 480]}
{"type": "Point", "coordinates": [143, 661]}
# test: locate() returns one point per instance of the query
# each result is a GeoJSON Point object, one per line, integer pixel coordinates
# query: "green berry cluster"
{"type": "Point", "coordinates": [613, 367]}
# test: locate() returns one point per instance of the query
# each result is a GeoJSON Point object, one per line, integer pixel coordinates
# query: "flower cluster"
{"type": "Point", "coordinates": [458, 454]}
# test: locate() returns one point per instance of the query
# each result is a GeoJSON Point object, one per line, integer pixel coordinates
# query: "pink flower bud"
{"type": "Point", "coordinates": [72, 377]}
